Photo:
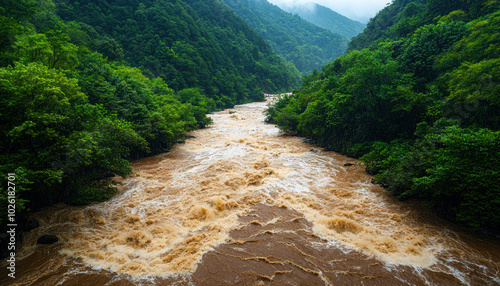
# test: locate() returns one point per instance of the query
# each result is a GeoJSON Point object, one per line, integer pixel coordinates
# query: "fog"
{"type": "Point", "coordinates": [359, 10]}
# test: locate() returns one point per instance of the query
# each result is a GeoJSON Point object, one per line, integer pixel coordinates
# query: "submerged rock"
{"type": "Point", "coordinates": [308, 141]}
{"type": "Point", "coordinates": [47, 239]}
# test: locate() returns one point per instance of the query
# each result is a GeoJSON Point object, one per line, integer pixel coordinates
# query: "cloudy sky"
{"type": "Point", "coordinates": [360, 10]}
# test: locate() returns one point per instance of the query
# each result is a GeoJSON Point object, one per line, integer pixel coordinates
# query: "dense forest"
{"type": "Point", "coordinates": [391, 22]}
{"type": "Point", "coordinates": [86, 86]}
{"type": "Point", "coordinates": [186, 43]}
{"type": "Point", "coordinates": [326, 18]}
{"type": "Point", "coordinates": [418, 100]}
{"type": "Point", "coordinates": [304, 44]}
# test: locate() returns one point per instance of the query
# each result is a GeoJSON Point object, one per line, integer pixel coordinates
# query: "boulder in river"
{"type": "Point", "coordinates": [47, 239]}
{"type": "Point", "coordinates": [348, 164]}
{"type": "Point", "coordinates": [308, 141]}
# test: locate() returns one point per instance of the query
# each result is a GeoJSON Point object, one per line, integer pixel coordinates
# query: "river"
{"type": "Point", "coordinates": [243, 204]}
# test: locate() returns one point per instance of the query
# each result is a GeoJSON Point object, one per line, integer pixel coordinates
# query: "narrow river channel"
{"type": "Point", "coordinates": [242, 204]}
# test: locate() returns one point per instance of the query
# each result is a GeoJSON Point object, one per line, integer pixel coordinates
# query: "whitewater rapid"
{"type": "Point", "coordinates": [239, 203]}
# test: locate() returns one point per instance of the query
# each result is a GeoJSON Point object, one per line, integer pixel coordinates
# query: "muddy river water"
{"type": "Point", "coordinates": [242, 204]}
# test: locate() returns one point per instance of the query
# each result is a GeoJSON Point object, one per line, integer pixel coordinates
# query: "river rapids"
{"type": "Point", "coordinates": [239, 203]}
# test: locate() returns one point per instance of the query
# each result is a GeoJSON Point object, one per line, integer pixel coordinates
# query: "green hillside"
{"type": "Point", "coordinates": [298, 41]}
{"type": "Point", "coordinates": [420, 105]}
{"type": "Point", "coordinates": [86, 86]}
{"type": "Point", "coordinates": [326, 18]}
{"type": "Point", "coordinates": [387, 22]}
{"type": "Point", "coordinates": [188, 44]}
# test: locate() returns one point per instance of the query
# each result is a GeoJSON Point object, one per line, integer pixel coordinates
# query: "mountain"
{"type": "Point", "coordinates": [418, 100]}
{"type": "Point", "coordinates": [188, 44]}
{"type": "Point", "coordinates": [298, 41]}
{"type": "Point", "coordinates": [403, 17]}
{"type": "Point", "coordinates": [384, 24]}
{"type": "Point", "coordinates": [86, 86]}
{"type": "Point", "coordinates": [326, 18]}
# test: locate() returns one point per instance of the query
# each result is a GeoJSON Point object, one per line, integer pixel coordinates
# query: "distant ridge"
{"type": "Point", "coordinates": [306, 45]}
{"type": "Point", "coordinates": [326, 18]}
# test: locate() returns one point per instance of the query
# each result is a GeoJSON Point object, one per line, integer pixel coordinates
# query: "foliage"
{"type": "Point", "coordinates": [360, 104]}
{"type": "Point", "coordinates": [306, 45]}
{"type": "Point", "coordinates": [326, 18]}
{"type": "Point", "coordinates": [424, 46]}
{"type": "Point", "coordinates": [452, 168]}
{"type": "Point", "coordinates": [189, 44]}
{"type": "Point", "coordinates": [60, 141]}
{"type": "Point", "coordinates": [76, 109]}
{"type": "Point", "coordinates": [420, 107]}
{"type": "Point", "coordinates": [403, 17]}
{"type": "Point", "coordinates": [385, 24]}
{"type": "Point", "coordinates": [52, 49]}
{"type": "Point", "coordinates": [200, 105]}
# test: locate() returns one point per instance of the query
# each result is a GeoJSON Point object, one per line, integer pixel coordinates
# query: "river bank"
{"type": "Point", "coordinates": [241, 204]}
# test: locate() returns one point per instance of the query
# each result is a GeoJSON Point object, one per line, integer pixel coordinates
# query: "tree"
{"type": "Point", "coordinates": [59, 141]}
{"type": "Point", "coordinates": [52, 49]}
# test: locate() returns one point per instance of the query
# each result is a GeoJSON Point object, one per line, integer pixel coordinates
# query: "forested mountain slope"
{"type": "Point", "coordinates": [386, 23]}
{"type": "Point", "coordinates": [420, 105]}
{"type": "Point", "coordinates": [85, 86]}
{"type": "Point", "coordinates": [188, 44]}
{"type": "Point", "coordinates": [300, 42]}
{"type": "Point", "coordinates": [326, 18]}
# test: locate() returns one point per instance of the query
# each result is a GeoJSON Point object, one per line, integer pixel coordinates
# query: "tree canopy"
{"type": "Point", "coordinates": [87, 86]}
{"type": "Point", "coordinates": [417, 99]}
{"type": "Point", "coordinates": [304, 44]}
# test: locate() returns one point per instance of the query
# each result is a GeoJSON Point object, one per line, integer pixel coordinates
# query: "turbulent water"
{"type": "Point", "coordinates": [242, 204]}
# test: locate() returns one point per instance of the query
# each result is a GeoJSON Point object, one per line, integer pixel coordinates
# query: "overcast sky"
{"type": "Point", "coordinates": [360, 10]}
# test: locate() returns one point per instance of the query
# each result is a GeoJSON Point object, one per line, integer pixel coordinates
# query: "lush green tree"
{"type": "Point", "coordinates": [462, 176]}
{"type": "Point", "coordinates": [481, 42]}
{"type": "Point", "coordinates": [33, 48]}
{"type": "Point", "coordinates": [451, 168]}
{"type": "Point", "coordinates": [421, 105]}
{"type": "Point", "coordinates": [52, 49]}
{"type": "Point", "coordinates": [425, 46]}
{"type": "Point", "coordinates": [53, 133]}
{"type": "Point", "coordinates": [200, 44]}
{"type": "Point", "coordinates": [305, 45]}
{"type": "Point", "coordinates": [149, 105]}
{"type": "Point", "coordinates": [201, 105]}
{"type": "Point", "coordinates": [476, 88]}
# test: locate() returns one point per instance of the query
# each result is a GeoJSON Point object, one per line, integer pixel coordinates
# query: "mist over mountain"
{"type": "Point", "coordinates": [358, 10]}
{"type": "Point", "coordinates": [326, 18]}
{"type": "Point", "coordinates": [304, 44]}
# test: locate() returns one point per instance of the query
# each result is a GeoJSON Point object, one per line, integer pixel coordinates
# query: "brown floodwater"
{"type": "Point", "coordinates": [243, 204]}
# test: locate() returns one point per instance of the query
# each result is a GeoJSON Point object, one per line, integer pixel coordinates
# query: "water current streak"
{"type": "Point", "coordinates": [242, 204]}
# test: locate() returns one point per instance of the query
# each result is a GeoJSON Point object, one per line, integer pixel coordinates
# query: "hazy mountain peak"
{"type": "Point", "coordinates": [324, 17]}
{"type": "Point", "coordinates": [299, 41]}
{"type": "Point", "coordinates": [310, 6]}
